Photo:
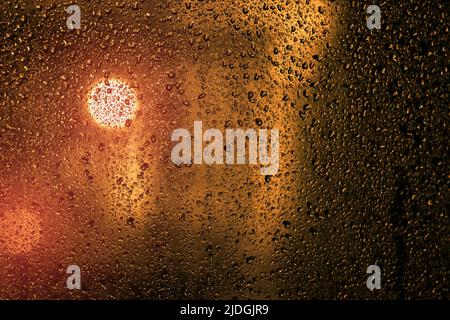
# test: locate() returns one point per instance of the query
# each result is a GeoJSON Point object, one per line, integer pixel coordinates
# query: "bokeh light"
{"type": "Point", "coordinates": [112, 103]}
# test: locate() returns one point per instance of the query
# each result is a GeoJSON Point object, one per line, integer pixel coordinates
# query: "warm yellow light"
{"type": "Point", "coordinates": [112, 103]}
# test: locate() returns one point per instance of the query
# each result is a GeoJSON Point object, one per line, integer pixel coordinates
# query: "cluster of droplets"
{"type": "Point", "coordinates": [22, 231]}
{"type": "Point", "coordinates": [112, 103]}
{"type": "Point", "coordinates": [363, 168]}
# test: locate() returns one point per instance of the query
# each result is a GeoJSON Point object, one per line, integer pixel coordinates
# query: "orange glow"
{"type": "Point", "coordinates": [112, 103]}
{"type": "Point", "coordinates": [20, 231]}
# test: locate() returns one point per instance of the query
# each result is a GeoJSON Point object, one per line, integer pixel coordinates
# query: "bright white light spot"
{"type": "Point", "coordinates": [112, 103]}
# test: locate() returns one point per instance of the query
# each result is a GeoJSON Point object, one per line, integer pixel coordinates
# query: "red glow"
{"type": "Point", "coordinates": [20, 231]}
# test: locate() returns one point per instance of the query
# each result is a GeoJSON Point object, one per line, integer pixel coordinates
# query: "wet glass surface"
{"type": "Point", "coordinates": [363, 172]}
